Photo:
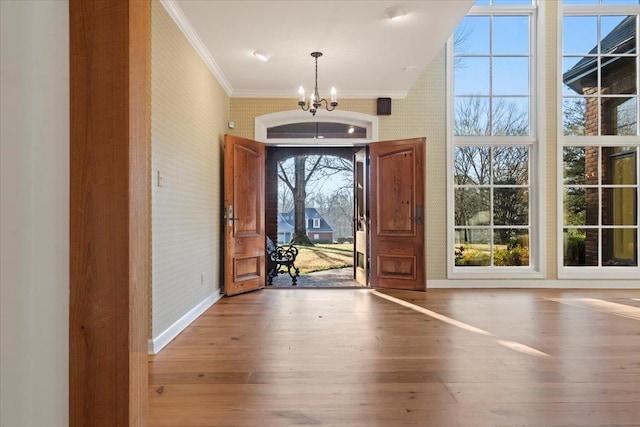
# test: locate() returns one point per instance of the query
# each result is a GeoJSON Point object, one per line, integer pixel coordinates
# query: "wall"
{"type": "Point", "coordinates": [190, 111]}
{"type": "Point", "coordinates": [34, 217]}
{"type": "Point", "coordinates": [549, 136]}
{"type": "Point", "coordinates": [421, 113]}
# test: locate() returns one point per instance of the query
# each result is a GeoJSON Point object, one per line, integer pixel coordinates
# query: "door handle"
{"type": "Point", "coordinates": [419, 215]}
{"type": "Point", "coordinates": [231, 217]}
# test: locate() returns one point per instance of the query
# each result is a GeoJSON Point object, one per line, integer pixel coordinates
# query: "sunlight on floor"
{"type": "Point", "coordinates": [602, 306]}
{"type": "Point", "coordinates": [512, 345]}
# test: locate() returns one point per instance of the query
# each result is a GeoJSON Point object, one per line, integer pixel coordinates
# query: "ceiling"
{"type": "Point", "coordinates": [366, 54]}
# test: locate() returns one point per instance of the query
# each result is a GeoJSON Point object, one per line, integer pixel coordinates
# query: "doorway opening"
{"type": "Point", "coordinates": [393, 256]}
{"type": "Point", "coordinates": [309, 204]}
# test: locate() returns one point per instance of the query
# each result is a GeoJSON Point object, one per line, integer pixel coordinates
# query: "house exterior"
{"type": "Point", "coordinates": [614, 74]}
{"type": "Point", "coordinates": [285, 230]}
{"type": "Point", "coordinates": [318, 230]}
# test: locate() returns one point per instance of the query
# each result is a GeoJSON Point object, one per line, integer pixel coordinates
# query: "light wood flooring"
{"type": "Point", "coordinates": [351, 357]}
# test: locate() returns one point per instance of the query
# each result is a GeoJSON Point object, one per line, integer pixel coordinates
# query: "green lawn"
{"type": "Point", "coordinates": [324, 257]}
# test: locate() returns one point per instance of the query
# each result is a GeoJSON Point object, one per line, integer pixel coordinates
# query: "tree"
{"type": "Point", "coordinates": [304, 176]}
{"type": "Point", "coordinates": [298, 186]}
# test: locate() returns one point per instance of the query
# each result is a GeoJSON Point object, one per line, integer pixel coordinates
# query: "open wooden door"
{"type": "Point", "coordinates": [360, 219]}
{"type": "Point", "coordinates": [396, 189]}
{"type": "Point", "coordinates": [245, 238]}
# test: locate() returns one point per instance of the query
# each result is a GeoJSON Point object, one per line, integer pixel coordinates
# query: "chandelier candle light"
{"type": "Point", "coordinates": [314, 100]}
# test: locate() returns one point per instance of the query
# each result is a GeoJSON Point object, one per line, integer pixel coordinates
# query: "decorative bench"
{"type": "Point", "coordinates": [279, 258]}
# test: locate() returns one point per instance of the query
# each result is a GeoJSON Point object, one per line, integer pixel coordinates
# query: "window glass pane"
{"type": "Point", "coordinates": [471, 76]}
{"type": "Point", "coordinates": [619, 247]}
{"type": "Point", "coordinates": [481, 3]}
{"type": "Point", "coordinates": [575, 76]}
{"type": "Point", "coordinates": [619, 165]}
{"type": "Point", "coordinates": [472, 36]}
{"type": "Point", "coordinates": [574, 249]}
{"type": "Point", "coordinates": [619, 206]}
{"type": "Point", "coordinates": [316, 130]}
{"type": "Point", "coordinates": [591, 243]}
{"type": "Point", "coordinates": [472, 206]}
{"type": "Point", "coordinates": [574, 117]}
{"type": "Point", "coordinates": [581, 165]}
{"type": "Point", "coordinates": [510, 116]}
{"type": "Point", "coordinates": [472, 165]}
{"type": "Point", "coordinates": [579, 2]}
{"type": "Point", "coordinates": [619, 116]}
{"type": "Point", "coordinates": [575, 206]}
{"type": "Point", "coordinates": [592, 204]}
{"type": "Point", "coordinates": [511, 2]}
{"type": "Point", "coordinates": [510, 206]}
{"type": "Point", "coordinates": [620, 2]}
{"type": "Point", "coordinates": [510, 76]}
{"type": "Point", "coordinates": [511, 165]}
{"type": "Point", "coordinates": [618, 75]}
{"type": "Point", "coordinates": [617, 34]}
{"type": "Point", "coordinates": [471, 116]}
{"type": "Point", "coordinates": [511, 247]}
{"type": "Point", "coordinates": [511, 34]}
{"type": "Point", "coordinates": [472, 247]}
{"type": "Point", "coordinates": [573, 165]}
{"type": "Point", "coordinates": [579, 34]}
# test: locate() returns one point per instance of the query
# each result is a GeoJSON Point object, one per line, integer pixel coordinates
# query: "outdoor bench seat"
{"type": "Point", "coordinates": [279, 258]}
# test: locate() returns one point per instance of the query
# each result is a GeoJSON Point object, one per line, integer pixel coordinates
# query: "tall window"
{"type": "Point", "coordinates": [493, 139]}
{"type": "Point", "coordinates": [599, 142]}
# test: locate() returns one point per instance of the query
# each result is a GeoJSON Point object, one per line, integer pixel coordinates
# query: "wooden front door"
{"type": "Point", "coordinates": [396, 189]}
{"type": "Point", "coordinates": [360, 218]}
{"type": "Point", "coordinates": [245, 237]}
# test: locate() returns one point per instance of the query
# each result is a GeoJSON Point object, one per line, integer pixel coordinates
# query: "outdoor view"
{"type": "Point", "coordinates": [600, 98]}
{"type": "Point", "coordinates": [315, 210]}
{"type": "Point", "coordinates": [492, 181]}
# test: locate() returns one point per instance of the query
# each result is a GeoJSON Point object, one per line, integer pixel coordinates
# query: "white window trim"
{"type": "Point", "coordinates": [537, 160]}
{"type": "Point", "coordinates": [366, 121]}
{"type": "Point", "coordinates": [316, 223]}
{"type": "Point", "coordinates": [588, 272]}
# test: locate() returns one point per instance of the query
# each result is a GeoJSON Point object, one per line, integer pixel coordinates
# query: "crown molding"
{"type": "Point", "coordinates": [185, 26]}
{"type": "Point", "coordinates": [353, 94]}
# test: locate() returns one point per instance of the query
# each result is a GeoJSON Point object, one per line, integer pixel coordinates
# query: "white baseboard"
{"type": "Point", "coordinates": [532, 284]}
{"type": "Point", "coordinates": [165, 337]}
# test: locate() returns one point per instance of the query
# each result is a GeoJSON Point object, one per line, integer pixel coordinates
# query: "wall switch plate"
{"type": "Point", "coordinates": [201, 279]}
{"type": "Point", "coordinates": [231, 125]}
{"type": "Point", "coordinates": [160, 179]}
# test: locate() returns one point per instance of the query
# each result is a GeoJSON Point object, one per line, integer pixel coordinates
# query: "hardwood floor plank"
{"type": "Point", "coordinates": [350, 358]}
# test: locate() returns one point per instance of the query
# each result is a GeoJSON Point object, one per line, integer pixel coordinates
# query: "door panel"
{"type": "Point", "coordinates": [360, 219]}
{"type": "Point", "coordinates": [396, 189]}
{"type": "Point", "coordinates": [244, 215]}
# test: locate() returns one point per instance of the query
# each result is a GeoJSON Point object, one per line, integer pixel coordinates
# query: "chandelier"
{"type": "Point", "coordinates": [315, 101]}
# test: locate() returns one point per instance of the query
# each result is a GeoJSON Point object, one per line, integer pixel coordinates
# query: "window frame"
{"type": "Point", "coordinates": [537, 265]}
{"type": "Point", "coordinates": [600, 141]}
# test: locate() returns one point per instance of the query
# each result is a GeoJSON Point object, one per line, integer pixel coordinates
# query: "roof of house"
{"type": "Point", "coordinates": [310, 213]}
{"type": "Point", "coordinates": [621, 40]}
{"type": "Point", "coordinates": [283, 225]}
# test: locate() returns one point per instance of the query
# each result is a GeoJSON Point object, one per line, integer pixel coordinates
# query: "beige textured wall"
{"type": "Point", "coordinates": [190, 111]}
{"type": "Point", "coordinates": [420, 114]}
{"type": "Point", "coordinates": [550, 139]}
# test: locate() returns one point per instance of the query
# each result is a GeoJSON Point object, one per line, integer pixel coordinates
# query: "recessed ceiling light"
{"type": "Point", "coordinates": [261, 55]}
{"type": "Point", "coordinates": [409, 68]}
{"type": "Point", "coordinates": [395, 12]}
